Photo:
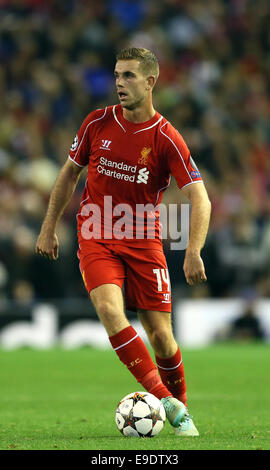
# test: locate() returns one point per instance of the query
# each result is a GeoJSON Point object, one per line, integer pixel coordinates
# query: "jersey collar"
{"type": "Point", "coordinates": [132, 127]}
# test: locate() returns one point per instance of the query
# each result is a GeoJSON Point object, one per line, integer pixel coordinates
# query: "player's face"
{"type": "Point", "coordinates": [131, 84]}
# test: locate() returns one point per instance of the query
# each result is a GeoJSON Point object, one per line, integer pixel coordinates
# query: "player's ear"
{"type": "Point", "coordinates": [151, 80]}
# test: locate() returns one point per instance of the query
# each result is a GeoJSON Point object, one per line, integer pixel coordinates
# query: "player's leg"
{"type": "Point", "coordinates": [158, 326]}
{"type": "Point", "coordinates": [131, 350]}
{"type": "Point", "coordinates": [109, 305]}
{"type": "Point", "coordinates": [103, 273]}
{"type": "Point", "coordinates": [148, 291]}
{"type": "Point", "coordinates": [169, 361]}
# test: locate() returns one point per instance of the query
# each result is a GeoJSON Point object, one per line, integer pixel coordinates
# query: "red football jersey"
{"type": "Point", "coordinates": [129, 168]}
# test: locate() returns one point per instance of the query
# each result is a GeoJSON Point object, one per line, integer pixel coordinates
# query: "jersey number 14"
{"type": "Point", "coordinates": [162, 276]}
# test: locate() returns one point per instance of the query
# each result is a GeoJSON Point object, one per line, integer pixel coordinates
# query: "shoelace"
{"type": "Point", "coordinates": [169, 407]}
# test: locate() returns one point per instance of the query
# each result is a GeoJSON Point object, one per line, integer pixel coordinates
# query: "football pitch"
{"type": "Point", "coordinates": [65, 399]}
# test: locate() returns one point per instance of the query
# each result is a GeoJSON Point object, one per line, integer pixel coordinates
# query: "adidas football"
{"type": "Point", "coordinates": [140, 414]}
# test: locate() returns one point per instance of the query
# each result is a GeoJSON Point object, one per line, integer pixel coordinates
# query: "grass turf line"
{"type": "Point", "coordinates": [59, 399]}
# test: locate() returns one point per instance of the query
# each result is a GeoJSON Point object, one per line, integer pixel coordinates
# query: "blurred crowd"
{"type": "Point", "coordinates": [56, 65]}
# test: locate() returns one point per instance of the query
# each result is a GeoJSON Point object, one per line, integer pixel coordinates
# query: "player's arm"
{"type": "Point", "coordinates": [64, 187]}
{"type": "Point", "coordinates": [199, 223]}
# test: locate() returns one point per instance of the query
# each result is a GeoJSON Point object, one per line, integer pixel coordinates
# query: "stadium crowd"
{"type": "Point", "coordinates": [56, 65]}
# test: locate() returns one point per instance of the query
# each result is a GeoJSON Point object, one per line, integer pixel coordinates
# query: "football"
{"type": "Point", "coordinates": [140, 414]}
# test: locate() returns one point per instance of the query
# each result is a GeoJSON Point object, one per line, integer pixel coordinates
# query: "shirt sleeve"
{"type": "Point", "coordinates": [80, 149]}
{"type": "Point", "coordinates": [179, 161]}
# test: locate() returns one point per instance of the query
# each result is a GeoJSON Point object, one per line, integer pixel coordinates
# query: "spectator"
{"type": "Point", "coordinates": [55, 66]}
{"type": "Point", "coordinates": [247, 327]}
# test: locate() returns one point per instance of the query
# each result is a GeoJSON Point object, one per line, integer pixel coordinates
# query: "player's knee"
{"type": "Point", "coordinates": [105, 308]}
{"type": "Point", "coordinates": [113, 319]}
{"type": "Point", "coordinates": [162, 341]}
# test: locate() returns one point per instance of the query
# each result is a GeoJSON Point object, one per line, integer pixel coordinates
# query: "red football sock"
{"type": "Point", "coordinates": [132, 351]}
{"type": "Point", "coordinates": [172, 373]}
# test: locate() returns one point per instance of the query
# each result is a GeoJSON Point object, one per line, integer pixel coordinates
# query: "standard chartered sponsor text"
{"type": "Point", "coordinates": [105, 166]}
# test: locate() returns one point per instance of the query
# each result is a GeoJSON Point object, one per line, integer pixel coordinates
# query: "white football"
{"type": "Point", "coordinates": [140, 414]}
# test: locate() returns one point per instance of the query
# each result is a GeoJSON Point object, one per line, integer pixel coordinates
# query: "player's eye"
{"type": "Point", "coordinates": [125, 75]}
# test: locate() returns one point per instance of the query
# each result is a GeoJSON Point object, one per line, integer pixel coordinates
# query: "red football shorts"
{"type": "Point", "coordinates": [141, 272]}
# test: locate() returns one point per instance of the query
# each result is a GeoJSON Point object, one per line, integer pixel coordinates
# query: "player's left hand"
{"type": "Point", "coordinates": [194, 268]}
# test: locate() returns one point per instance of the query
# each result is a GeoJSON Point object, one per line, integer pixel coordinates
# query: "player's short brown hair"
{"type": "Point", "coordinates": [148, 60]}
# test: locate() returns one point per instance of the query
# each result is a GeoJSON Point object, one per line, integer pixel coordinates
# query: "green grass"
{"type": "Point", "coordinates": [59, 399]}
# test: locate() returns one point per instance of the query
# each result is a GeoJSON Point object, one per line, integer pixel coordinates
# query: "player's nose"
{"type": "Point", "coordinates": [119, 81]}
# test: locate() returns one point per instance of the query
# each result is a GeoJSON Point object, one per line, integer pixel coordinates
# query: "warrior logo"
{"type": "Point", "coordinates": [105, 144]}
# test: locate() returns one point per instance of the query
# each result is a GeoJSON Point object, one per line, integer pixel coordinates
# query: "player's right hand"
{"type": "Point", "coordinates": [47, 245]}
